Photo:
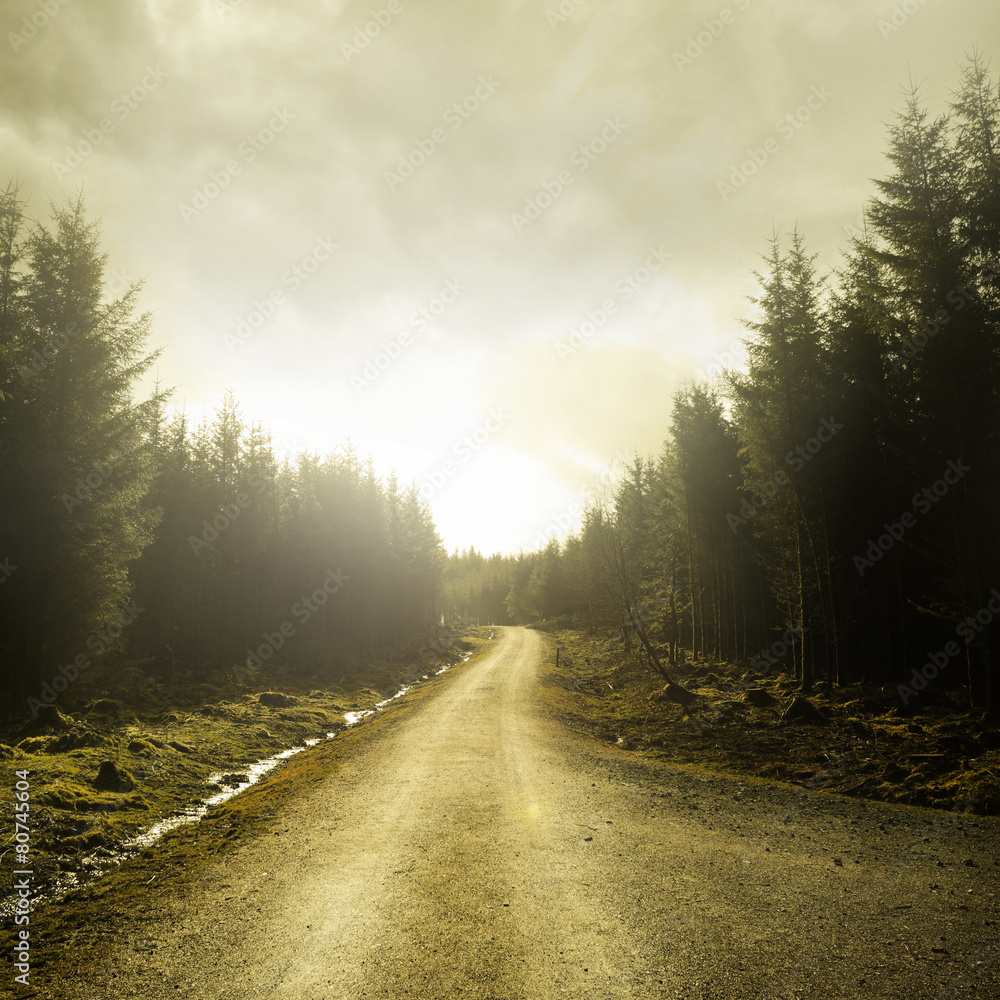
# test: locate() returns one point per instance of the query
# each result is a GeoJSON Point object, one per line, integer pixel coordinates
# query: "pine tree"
{"type": "Point", "coordinates": [77, 449]}
{"type": "Point", "coordinates": [779, 405]}
{"type": "Point", "coordinates": [934, 238]}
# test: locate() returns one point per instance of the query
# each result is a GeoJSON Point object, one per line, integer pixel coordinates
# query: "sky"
{"type": "Point", "coordinates": [484, 243]}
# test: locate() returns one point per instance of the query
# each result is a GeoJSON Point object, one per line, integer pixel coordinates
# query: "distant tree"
{"type": "Point", "coordinates": [704, 482]}
{"type": "Point", "coordinates": [617, 526]}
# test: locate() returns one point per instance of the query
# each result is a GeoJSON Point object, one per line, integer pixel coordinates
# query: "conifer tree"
{"type": "Point", "coordinates": [77, 449]}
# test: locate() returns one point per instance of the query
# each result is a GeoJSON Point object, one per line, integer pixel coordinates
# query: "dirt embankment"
{"type": "Point", "coordinates": [855, 741]}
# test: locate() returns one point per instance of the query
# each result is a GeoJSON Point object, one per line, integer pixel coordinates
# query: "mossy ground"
{"type": "Point", "coordinates": [934, 755]}
{"type": "Point", "coordinates": [82, 922]}
{"type": "Point", "coordinates": [165, 753]}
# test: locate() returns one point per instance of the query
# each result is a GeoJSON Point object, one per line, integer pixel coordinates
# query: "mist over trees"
{"type": "Point", "coordinates": [831, 509]}
{"type": "Point", "coordinates": [140, 546]}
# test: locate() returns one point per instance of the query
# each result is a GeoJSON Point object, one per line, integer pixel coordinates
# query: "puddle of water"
{"type": "Point", "coordinates": [93, 866]}
{"type": "Point", "coordinates": [353, 718]}
{"type": "Point", "coordinates": [193, 813]}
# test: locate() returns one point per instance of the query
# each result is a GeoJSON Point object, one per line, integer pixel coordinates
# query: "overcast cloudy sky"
{"type": "Point", "coordinates": [483, 241]}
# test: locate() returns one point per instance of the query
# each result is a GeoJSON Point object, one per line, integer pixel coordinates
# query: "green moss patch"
{"type": "Point", "coordinates": [160, 762]}
{"type": "Point", "coordinates": [87, 921]}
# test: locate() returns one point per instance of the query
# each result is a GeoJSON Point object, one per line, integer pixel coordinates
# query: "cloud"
{"type": "Point", "coordinates": [354, 92]}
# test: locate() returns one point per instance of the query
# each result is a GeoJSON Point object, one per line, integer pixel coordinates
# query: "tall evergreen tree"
{"type": "Point", "coordinates": [76, 448]}
{"type": "Point", "coordinates": [780, 405]}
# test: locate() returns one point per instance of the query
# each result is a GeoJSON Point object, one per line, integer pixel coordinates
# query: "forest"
{"type": "Point", "coordinates": [830, 509]}
{"type": "Point", "coordinates": [144, 550]}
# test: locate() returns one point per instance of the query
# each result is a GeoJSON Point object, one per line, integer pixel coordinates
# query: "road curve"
{"type": "Point", "coordinates": [477, 848]}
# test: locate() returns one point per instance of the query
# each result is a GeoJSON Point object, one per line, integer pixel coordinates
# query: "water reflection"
{"type": "Point", "coordinates": [103, 860]}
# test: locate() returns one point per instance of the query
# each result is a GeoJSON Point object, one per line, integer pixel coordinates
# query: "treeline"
{"type": "Point", "coordinates": [134, 544]}
{"type": "Point", "coordinates": [834, 504]}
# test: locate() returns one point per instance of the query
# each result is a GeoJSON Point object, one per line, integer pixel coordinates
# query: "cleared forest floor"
{"type": "Point", "coordinates": [867, 745]}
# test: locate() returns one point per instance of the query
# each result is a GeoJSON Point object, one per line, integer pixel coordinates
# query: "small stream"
{"type": "Point", "coordinates": [93, 866]}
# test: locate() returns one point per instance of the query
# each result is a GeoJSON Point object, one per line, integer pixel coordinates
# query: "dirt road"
{"type": "Point", "coordinates": [475, 847]}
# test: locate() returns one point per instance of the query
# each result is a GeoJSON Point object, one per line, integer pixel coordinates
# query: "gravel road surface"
{"type": "Point", "coordinates": [476, 847]}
